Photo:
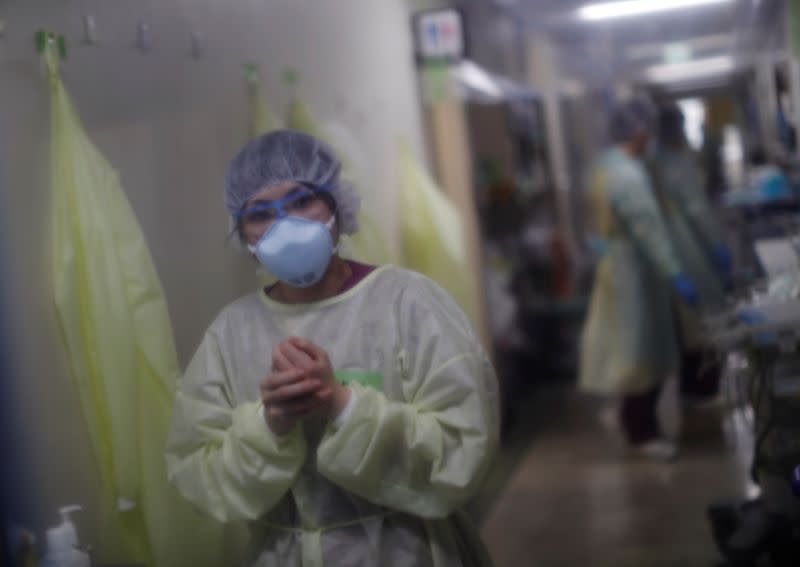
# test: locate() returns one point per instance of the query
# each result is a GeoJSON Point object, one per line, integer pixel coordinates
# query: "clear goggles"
{"type": "Point", "coordinates": [297, 202]}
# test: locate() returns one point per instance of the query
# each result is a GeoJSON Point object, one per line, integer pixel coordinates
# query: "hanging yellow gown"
{"type": "Point", "coordinates": [117, 333]}
{"type": "Point", "coordinates": [369, 243]}
{"type": "Point", "coordinates": [432, 234]}
{"type": "Point", "coordinates": [262, 118]}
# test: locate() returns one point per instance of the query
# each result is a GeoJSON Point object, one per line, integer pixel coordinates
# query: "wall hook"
{"type": "Point", "coordinates": [198, 44]}
{"type": "Point", "coordinates": [144, 36]}
{"type": "Point", "coordinates": [89, 29]}
{"type": "Point", "coordinates": [44, 39]}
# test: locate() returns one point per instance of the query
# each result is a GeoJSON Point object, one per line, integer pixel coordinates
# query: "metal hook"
{"type": "Point", "coordinates": [144, 36]}
{"type": "Point", "coordinates": [44, 39]}
{"type": "Point", "coordinates": [89, 29]}
{"type": "Point", "coordinates": [198, 44]}
{"type": "Point", "coordinates": [250, 73]}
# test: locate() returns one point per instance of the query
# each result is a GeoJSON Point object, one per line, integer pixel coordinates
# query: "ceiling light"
{"type": "Point", "coordinates": [626, 8]}
{"type": "Point", "coordinates": [724, 41]}
{"type": "Point", "coordinates": [698, 68]}
{"type": "Point", "coordinates": [477, 78]}
{"type": "Point", "coordinates": [677, 52]}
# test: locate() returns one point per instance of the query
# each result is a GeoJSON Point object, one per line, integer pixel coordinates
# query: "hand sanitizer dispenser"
{"type": "Point", "coordinates": [62, 543]}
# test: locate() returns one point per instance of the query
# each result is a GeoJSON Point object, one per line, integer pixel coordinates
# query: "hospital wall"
{"type": "Point", "coordinates": [169, 123]}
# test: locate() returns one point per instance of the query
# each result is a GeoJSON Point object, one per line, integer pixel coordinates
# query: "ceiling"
{"type": "Point", "coordinates": [621, 49]}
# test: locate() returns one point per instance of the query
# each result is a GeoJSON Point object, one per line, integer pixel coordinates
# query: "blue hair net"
{"type": "Point", "coordinates": [630, 118]}
{"type": "Point", "coordinates": [286, 155]}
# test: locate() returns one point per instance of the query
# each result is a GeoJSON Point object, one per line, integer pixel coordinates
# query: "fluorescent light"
{"type": "Point", "coordinates": [626, 8]}
{"type": "Point", "coordinates": [697, 68]}
{"type": "Point", "coordinates": [677, 52]}
{"type": "Point", "coordinates": [478, 79]}
{"type": "Point", "coordinates": [694, 114]}
{"type": "Point", "coordinates": [721, 41]}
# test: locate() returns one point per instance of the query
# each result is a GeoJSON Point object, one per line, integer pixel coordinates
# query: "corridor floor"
{"type": "Point", "coordinates": [564, 492]}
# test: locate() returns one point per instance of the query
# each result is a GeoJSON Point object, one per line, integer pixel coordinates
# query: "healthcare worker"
{"type": "Point", "coordinates": [346, 412]}
{"type": "Point", "coordinates": [628, 346]}
{"type": "Point", "coordinates": [699, 242]}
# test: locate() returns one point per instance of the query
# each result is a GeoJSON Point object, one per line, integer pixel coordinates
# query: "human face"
{"type": "Point", "coordinates": [293, 198]}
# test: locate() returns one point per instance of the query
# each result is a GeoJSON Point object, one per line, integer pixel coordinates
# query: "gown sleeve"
{"type": "Point", "coordinates": [223, 457]}
{"type": "Point", "coordinates": [427, 453]}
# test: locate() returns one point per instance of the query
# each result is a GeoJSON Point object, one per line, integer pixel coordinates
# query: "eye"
{"type": "Point", "coordinates": [302, 202]}
{"type": "Point", "coordinates": [258, 216]}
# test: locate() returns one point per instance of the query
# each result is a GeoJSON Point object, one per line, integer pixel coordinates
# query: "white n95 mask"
{"type": "Point", "coordinates": [296, 250]}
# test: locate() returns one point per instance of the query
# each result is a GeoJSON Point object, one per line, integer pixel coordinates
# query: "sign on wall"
{"type": "Point", "coordinates": [439, 35]}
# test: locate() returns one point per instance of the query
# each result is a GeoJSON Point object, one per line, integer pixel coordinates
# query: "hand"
{"type": "Point", "coordinates": [314, 362]}
{"type": "Point", "coordinates": [289, 396]}
{"type": "Point", "coordinates": [287, 357]}
{"type": "Point", "coordinates": [685, 289]}
{"type": "Point", "coordinates": [751, 317]}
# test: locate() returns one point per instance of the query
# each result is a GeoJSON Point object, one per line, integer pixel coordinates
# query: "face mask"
{"type": "Point", "coordinates": [296, 250]}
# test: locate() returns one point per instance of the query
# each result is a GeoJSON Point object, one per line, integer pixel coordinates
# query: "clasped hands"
{"type": "Point", "coordinates": [301, 383]}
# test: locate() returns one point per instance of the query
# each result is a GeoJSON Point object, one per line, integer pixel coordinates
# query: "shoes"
{"type": "Point", "coordinates": [656, 450]}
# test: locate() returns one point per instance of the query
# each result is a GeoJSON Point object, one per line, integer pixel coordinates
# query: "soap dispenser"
{"type": "Point", "coordinates": [62, 543]}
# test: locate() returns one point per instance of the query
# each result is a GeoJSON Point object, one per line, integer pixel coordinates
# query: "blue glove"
{"type": "Point", "coordinates": [753, 318]}
{"type": "Point", "coordinates": [685, 289]}
{"type": "Point", "coordinates": [723, 261]}
{"type": "Point", "coordinates": [597, 245]}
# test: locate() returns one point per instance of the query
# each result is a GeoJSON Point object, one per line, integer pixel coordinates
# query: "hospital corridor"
{"type": "Point", "coordinates": [399, 283]}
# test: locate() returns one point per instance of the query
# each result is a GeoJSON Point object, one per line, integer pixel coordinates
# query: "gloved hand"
{"type": "Point", "coordinates": [751, 317]}
{"type": "Point", "coordinates": [723, 261]}
{"type": "Point", "coordinates": [597, 245]}
{"type": "Point", "coordinates": [685, 289]}
{"type": "Point", "coordinates": [754, 318]}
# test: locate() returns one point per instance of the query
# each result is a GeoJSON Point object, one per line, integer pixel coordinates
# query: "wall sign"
{"type": "Point", "coordinates": [439, 35]}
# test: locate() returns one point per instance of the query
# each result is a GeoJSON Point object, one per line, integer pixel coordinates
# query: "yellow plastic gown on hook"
{"type": "Point", "coordinates": [263, 120]}
{"type": "Point", "coordinates": [432, 234]}
{"type": "Point", "coordinates": [117, 333]}
{"type": "Point", "coordinates": [369, 243]}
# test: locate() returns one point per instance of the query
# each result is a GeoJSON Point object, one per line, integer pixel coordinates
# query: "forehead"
{"type": "Point", "coordinates": [274, 192]}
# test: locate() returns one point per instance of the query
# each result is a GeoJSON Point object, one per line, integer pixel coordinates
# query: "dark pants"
{"type": "Point", "coordinates": [637, 414]}
{"type": "Point", "coordinates": [638, 411]}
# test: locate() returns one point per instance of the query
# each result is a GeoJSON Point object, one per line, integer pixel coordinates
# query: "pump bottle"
{"type": "Point", "coordinates": [62, 543]}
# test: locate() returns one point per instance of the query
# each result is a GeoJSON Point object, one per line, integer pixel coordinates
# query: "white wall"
{"type": "Point", "coordinates": [169, 124]}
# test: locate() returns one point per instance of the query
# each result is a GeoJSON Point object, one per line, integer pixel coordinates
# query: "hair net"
{"type": "Point", "coordinates": [670, 124]}
{"type": "Point", "coordinates": [630, 118]}
{"type": "Point", "coordinates": [286, 155]}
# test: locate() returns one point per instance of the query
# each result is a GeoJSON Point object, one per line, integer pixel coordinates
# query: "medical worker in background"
{"type": "Point", "coordinates": [699, 242]}
{"type": "Point", "coordinates": [628, 346]}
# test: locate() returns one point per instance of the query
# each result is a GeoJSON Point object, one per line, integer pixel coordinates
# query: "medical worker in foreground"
{"type": "Point", "coordinates": [699, 242]}
{"type": "Point", "coordinates": [345, 412]}
{"type": "Point", "coordinates": [629, 346]}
